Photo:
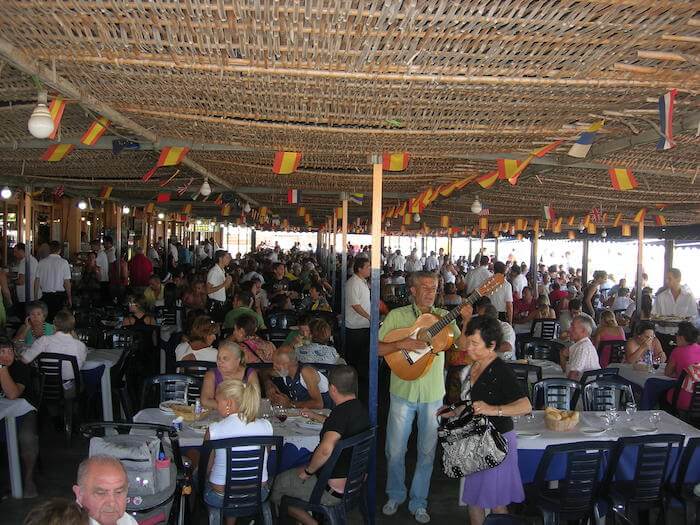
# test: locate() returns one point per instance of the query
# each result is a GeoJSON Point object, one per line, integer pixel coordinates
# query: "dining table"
{"type": "Point", "coordinates": [10, 410]}
{"type": "Point", "coordinates": [653, 383]}
{"type": "Point", "coordinates": [107, 358]}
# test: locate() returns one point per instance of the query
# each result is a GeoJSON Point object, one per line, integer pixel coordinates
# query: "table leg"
{"type": "Point", "coordinates": [13, 457]}
{"type": "Point", "coordinates": [106, 385]}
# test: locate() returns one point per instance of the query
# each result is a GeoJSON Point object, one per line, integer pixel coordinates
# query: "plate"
{"type": "Point", "coordinates": [593, 431]}
{"type": "Point", "coordinates": [166, 406]}
{"type": "Point", "coordinates": [310, 425]}
{"type": "Point", "coordinates": [526, 434]}
{"type": "Point", "coordinates": [645, 430]}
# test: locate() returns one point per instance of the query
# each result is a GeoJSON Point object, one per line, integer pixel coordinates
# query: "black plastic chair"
{"type": "Point", "coordinates": [169, 316]}
{"type": "Point", "coordinates": [607, 394]}
{"type": "Point", "coordinates": [556, 392]}
{"type": "Point", "coordinates": [90, 336]}
{"type": "Point", "coordinates": [277, 335]}
{"type": "Point", "coordinates": [538, 348]}
{"type": "Point", "coordinates": [355, 494]}
{"type": "Point", "coordinates": [120, 386]}
{"type": "Point", "coordinates": [522, 374]}
{"type": "Point", "coordinates": [645, 491]}
{"type": "Point", "coordinates": [195, 369]}
{"type": "Point", "coordinates": [51, 386]}
{"type": "Point", "coordinates": [614, 349]}
{"type": "Point", "coordinates": [283, 320]}
{"type": "Point", "coordinates": [682, 489]}
{"type": "Point", "coordinates": [245, 460]}
{"type": "Point", "coordinates": [170, 387]}
{"type": "Point", "coordinates": [601, 373]}
{"type": "Point", "coordinates": [576, 493]}
{"type": "Point", "coordinates": [545, 329]}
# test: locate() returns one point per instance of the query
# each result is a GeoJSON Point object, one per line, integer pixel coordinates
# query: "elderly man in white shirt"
{"type": "Point", "coordinates": [431, 263]}
{"type": "Point", "coordinates": [581, 356]}
{"type": "Point", "coordinates": [53, 280]}
{"type": "Point", "coordinates": [675, 301]}
{"type": "Point", "coordinates": [478, 276]}
{"type": "Point", "coordinates": [398, 262]}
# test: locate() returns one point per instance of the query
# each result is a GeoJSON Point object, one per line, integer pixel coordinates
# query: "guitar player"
{"type": "Point", "coordinates": [414, 399]}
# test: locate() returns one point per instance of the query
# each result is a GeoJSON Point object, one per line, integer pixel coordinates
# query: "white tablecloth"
{"type": "Point", "coordinates": [640, 377]}
{"type": "Point", "coordinates": [14, 407]}
{"type": "Point", "coordinates": [290, 431]}
{"type": "Point", "coordinates": [107, 357]}
{"type": "Point", "coordinates": [549, 368]}
{"type": "Point", "coordinates": [623, 428]}
{"type": "Point", "coordinates": [9, 410]}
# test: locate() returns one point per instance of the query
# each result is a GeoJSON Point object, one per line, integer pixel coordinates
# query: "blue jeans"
{"type": "Point", "coordinates": [399, 425]}
{"type": "Point", "coordinates": [216, 500]}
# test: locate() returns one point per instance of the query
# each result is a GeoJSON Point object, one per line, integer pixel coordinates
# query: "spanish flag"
{"type": "Point", "coordinates": [407, 219]}
{"type": "Point", "coordinates": [520, 224]}
{"type": "Point", "coordinates": [483, 223]}
{"type": "Point", "coordinates": [286, 162]}
{"type": "Point", "coordinates": [150, 207]}
{"type": "Point", "coordinates": [416, 205]}
{"type": "Point", "coordinates": [660, 220]}
{"type": "Point", "coordinates": [641, 215]}
{"type": "Point", "coordinates": [339, 212]}
{"type": "Point", "coordinates": [447, 189]}
{"type": "Point", "coordinates": [163, 197]}
{"type": "Point", "coordinates": [301, 211]}
{"type": "Point", "coordinates": [510, 168]}
{"type": "Point", "coordinates": [169, 156]}
{"type": "Point", "coordinates": [622, 179]}
{"type": "Point", "coordinates": [626, 230]}
{"type": "Point", "coordinates": [105, 192]}
{"type": "Point", "coordinates": [444, 221]}
{"type": "Point", "coordinates": [591, 228]}
{"type": "Point", "coordinates": [57, 152]}
{"type": "Point", "coordinates": [488, 180]}
{"type": "Point", "coordinates": [541, 152]}
{"type": "Point", "coordinates": [56, 108]}
{"type": "Point", "coordinates": [402, 209]}
{"type": "Point", "coordinates": [571, 220]}
{"type": "Point", "coordinates": [226, 210]}
{"type": "Point", "coordinates": [617, 221]}
{"type": "Point", "coordinates": [187, 209]}
{"type": "Point", "coordinates": [556, 227]}
{"type": "Point", "coordinates": [95, 131]}
{"type": "Point", "coordinates": [395, 161]}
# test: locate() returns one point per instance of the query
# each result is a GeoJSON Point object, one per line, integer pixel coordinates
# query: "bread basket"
{"type": "Point", "coordinates": [560, 420]}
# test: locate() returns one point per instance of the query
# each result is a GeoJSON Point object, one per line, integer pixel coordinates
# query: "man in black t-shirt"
{"type": "Point", "coordinates": [15, 383]}
{"type": "Point", "coordinates": [347, 419]}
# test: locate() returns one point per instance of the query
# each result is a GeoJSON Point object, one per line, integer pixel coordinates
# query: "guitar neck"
{"type": "Point", "coordinates": [452, 315]}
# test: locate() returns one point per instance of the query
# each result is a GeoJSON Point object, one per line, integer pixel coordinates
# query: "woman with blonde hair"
{"type": "Point", "coordinates": [230, 364]}
{"type": "Point", "coordinates": [543, 310]}
{"type": "Point", "coordinates": [238, 403]}
{"type": "Point", "coordinates": [608, 329]}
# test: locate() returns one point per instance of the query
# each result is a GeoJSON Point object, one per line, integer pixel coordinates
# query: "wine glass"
{"type": "Point", "coordinates": [631, 409]}
{"type": "Point", "coordinates": [655, 418]}
{"type": "Point", "coordinates": [656, 362]}
{"type": "Point", "coordinates": [281, 414]}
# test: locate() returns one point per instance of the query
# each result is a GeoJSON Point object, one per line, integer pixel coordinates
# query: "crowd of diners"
{"type": "Point", "coordinates": [225, 308]}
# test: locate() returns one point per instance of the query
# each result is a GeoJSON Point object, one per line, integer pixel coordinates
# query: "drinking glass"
{"type": "Point", "coordinates": [656, 363]}
{"type": "Point", "coordinates": [281, 415]}
{"type": "Point", "coordinates": [655, 418]}
{"type": "Point", "coordinates": [631, 409]}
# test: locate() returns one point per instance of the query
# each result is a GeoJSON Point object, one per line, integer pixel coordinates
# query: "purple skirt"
{"type": "Point", "coordinates": [496, 487]}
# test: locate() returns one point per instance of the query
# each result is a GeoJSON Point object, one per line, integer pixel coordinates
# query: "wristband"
{"type": "Point", "coordinates": [306, 471]}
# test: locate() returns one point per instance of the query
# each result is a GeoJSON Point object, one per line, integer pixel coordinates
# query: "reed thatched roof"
{"type": "Point", "coordinates": [458, 85]}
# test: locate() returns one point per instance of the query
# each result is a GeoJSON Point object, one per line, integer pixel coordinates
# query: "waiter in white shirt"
{"type": "Point", "coordinates": [217, 284]}
{"type": "Point", "coordinates": [673, 301]}
{"type": "Point", "coordinates": [102, 262]}
{"type": "Point", "coordinates": [24, 280]}
{"type": "Point", "coordinates": [357, 315]}
{"type": "Point", "coordinates": [502, 298]}
{"type": "Point", "coordinates": [53, 280]}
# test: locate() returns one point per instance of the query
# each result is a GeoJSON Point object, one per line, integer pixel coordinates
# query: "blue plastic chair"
{"type": "Point", "coordinates": [556, 392]}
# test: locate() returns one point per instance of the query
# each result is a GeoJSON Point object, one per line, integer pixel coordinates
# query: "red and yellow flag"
{"type": "Point", "coordinates": [226, 210]}
{"type": "Point", "coordinates": [591, 228]}
{"type": "Point", "coordinates": [447, 189]}
{"type": "Point", "coordinates": [483, 223]}
{"type": "Point", "coordinates": [301, 211]}
{"type": "Point", "coordinates": [510, 168]}
{"type": "Point", "coordinates": [402, 209]}
{"type": "Point", "coordinates": [286, 162]}
{"type": "Point", "coordinates": [571, 235]}
{"type": "Point", "coordinates": [187, 209]}
{"type": "Point", "coordinates": [622, 179]}
{"type": "Point", "coordinates": [57, 152]}
{"type": "Point", "coordinates": [488, 180]}
{"type": "Point", "coordinates": [571, 220]}
{"type": "Point", "coordinates": [660, 220]}
{"type": "Point", "coordinates": [444, 221]}
{"type": "Point", "coordinates": [640, 215]}
{"type": "Point", "coordinates": [105, 192]}
{"type": "Point", "coordinates": [541, 152]}
{"type": "Point", "coordinates": [556, 227]}
{"type": "Point", "coordinates": [169, 156]}
{"type": "Point", "coordinates": [95, 131]}
{"type": "Point", "coordinates": [407, 219]}
{"type": "Point", "coordinates": [395, 161]}
{"type": "Point", "coordinates": [56, 108]}
{"type": "Point", "coordinates": [150, 207]}
{"type": "Point", "coordinates": [626, 230]}
{"type": "Point", "coordinates": [521, 224]}
{"type": "Point", "coordinates": [416, 205]}
{"type": "Point", "coordinates": [617, 221]}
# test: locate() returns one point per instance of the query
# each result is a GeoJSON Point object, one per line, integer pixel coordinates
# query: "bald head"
{"type": "Point", "coordinates": [101, 489]}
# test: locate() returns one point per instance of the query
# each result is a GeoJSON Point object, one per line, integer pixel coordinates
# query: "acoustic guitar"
{"type": "Point", "coordinates": [433, 330]}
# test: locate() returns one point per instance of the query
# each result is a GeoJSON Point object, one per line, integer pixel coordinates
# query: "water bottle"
{"type": "Point", "coordinates": [197, 409]}
{"type": "Point", "coordinates": [649, 358]}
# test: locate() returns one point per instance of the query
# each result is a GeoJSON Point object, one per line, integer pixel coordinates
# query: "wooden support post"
{"type": "Point", "coordinates": [334, 265]}
{"type": "Point", "coordinates": [4, 235]}
{"type": "Point", "coordinates": [495, 249]}
{"type": "Point", "coordinates": [343, 269]}
{"type": "Point", "coordinates": [640, 263]}
{"type": "Point", "coordinates": [533, 261]}
{"type": "Point", "coordinates": [584, 263]}
{"type": "Point", "coordinates": [669, 246]}
{"type": "Point", "coordinates": [471, 256]}
{"type": "Point", "coordinates": [28, 220]}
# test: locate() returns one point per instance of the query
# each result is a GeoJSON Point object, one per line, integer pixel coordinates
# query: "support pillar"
{"type": "Point", "coordinates": [70, 221]}
{"type": "Point", "coordinates": [495, 249]}
{"type": "Point", "coordinates": [669, 246]}
{"type": "Point", "coordinates": [253, 242]}
{"type": "Point", "coordinates": [334, 265]}
{"type": "Point", "coordinates": [534, 254]}
{"type": "Point", "coordinates": [584, 263]}
{"type": "Point", "coordinates": [4, 236]}
{"type": "Point", "coordinates": [471, 256]}
{"type": "Point", "coordinates": [640, 263]}
{"type": "Point", "coordinates": [28, 216]}
{"type": "Point", "coordinates": [343, 268]}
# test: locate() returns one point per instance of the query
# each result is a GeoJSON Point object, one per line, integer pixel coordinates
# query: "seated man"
{"type": "Point", "coordinates": [243, 304]}
{"type": "Point", "coordinates": [506, 350]}
{"type": "Point", "coordinates": [319, 349]}
{"type": "Point", "coordinates": [101, 489]}
{"type": "Point", "coordinates": [566, 317]}
{"type": "Point", "coordinates": [347, 419]}
{"type": "Point", "coordinates": [581, 356]}
{"type": "Point", "coordinates": [15, 383]}
{"type": "Point", "coordinates": [296, 385]}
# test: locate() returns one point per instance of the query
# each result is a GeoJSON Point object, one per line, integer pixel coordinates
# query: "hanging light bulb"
{"type": "Point", "coordinates": [126, 210]}
{"type": "Point", "coordinates": [476, 206]}
{"type": "Point", "coordinates": [161, 215]}
{"type": "Point", "coordinates": [82, 205]}
{"type": "Point", "coordinates": [416, 217]}
{"type": "Point", "coordinates": [6, 193]}
{"type": "Point", "coordinates": [205, 190]}
{"type": "Point", "coordinates": [246, 208]}
{"type": "Point", "coordinates": [199, 222]}
{"type": "Point", "coordinates": [604, 233]}
{"type": "Point", "coordinates": [40, 124]}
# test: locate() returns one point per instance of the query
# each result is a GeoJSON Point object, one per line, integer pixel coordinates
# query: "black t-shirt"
{"type": "Point", "coordinates": [22, 375]}
{"type": "Point", "coordinates": [497, 385]}
{"type": "Point", "coordinates": [347, 419]}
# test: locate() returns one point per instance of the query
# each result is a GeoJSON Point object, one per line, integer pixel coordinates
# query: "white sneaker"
{"type": "Point", "coordinates": [421, 516]}
{"type": "Point", "coordinates": [390, 508]}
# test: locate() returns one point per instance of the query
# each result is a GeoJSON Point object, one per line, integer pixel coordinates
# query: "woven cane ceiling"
{"type": "Point", "coordinates": [456, 84]}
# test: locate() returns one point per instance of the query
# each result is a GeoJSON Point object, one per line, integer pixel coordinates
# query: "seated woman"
{"type": "Point", "coordinates": [196, 296]}
{"type": "Point", "coordinates": [256, 349]}
{"type": "Point", "coordinates": [608, 329]}
{"type": "Point", "coordinates": [137, 313]}
{"type": "Point", "coordinates": [451, 298]}
{"type": "Point", "coordinates": [644, 347]}
{"type": "Point", "coordinates": [686, 353]}
{"type": "Point", "coordinates": [317, 300]}
{"type": "Point", "coordinates": [35, 325]}
{"type": "Point", "coordinates": [543, 309]}
{"type": "Point", "coordinates": [238, 403]}
{"type": "Point", "coordinates": [201, 337]}
{"type": "Point", "coordinates": [302, 335]}
{"type": "Point", "coordinates": [296, 385]}
{"type": "Point", "coordinates": [318, 350]}
{"type": "Point", "coordinates": [230, 364]}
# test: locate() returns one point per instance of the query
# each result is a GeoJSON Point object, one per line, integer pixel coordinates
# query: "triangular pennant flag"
{"type": "Point", "coordinates": [407, 219]}
{"type": "Point", "coordinates": [626, 230]}
{"type": "Point", "coordinates": [544, 150]}
{"type": "Point", "coordinates": [488, 180]}
{"type": "Point", "coordinates": [640, 215]}
{"type": "Point", "coordinates": [556, 227]}
{"type": "Point", "coordinates": [571, 220]}
{"type": "Point", "coordinates": [660, 220]}
{"type": "Point", "coordinates": [301, 211]}
{"type": "Point", "coordinates": [150, 207]}
{"type": "Point", "coordinates": [509, 168]}
{"type": "Point", "coordinates": [444, 221]}
{"type": "Point", "coordinates": [169, 156]}
{"type": "Point", "coordinates": [226, 210]}
{"type": "Point", "coordinates": [105, 192]}
{"type": "Point", "coordinates": [163, 197]}
{"type": "Point", "coordinates": [95, 132]}
{"type": "Point", "coordinates": [617, 220]}
{"type": "Point", "coordinates": [357, 198]}
{"type": "Point", "coordinates": [57, 152]}
{"type": "Point", "coordinates": [395, 161]}
{"type": "Point", "coordinates": [219, 199]}
{"type": "Point", "coordinates": [56, 109]}
{"type": "Point", "coordinates": [402, 209]}
{"type": "Point", "coordinates": [286, 162]}
{"type": "Point", "coordinates": [622, 179]}
{"type": "Point", "coordinates": [591, 227]}
{"type": "Point", "coordinates": [484, 223]}
{"type": "Point", "coordinates": [583, 144]}
{"type": "Point", "coordinates": [666, 105]}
